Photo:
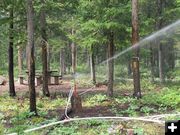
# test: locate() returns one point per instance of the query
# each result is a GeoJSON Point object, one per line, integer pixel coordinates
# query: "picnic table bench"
{"type": "Point", "coordinates": [38, 79]}
{"type": "Point", "coordinates": [56, 79]}
{"type": "Point", "coordinates": [21, 78]}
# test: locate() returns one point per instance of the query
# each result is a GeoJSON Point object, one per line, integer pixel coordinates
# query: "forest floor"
{"type": "Point", "coordinates": [63, 88]}
{"type": "Point", "coordinates": [157, 99]}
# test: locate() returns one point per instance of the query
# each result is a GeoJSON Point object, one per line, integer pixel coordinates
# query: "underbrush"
{"type": "Point", "coordinates": [15, 117]}
{"type": "Point", "coordinates": [14, 113]}
{"type": "Point", "coordinates": [164, 100]}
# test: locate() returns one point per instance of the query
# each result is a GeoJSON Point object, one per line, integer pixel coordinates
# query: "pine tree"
{"type": "Point", "coordinates": [31, 64]}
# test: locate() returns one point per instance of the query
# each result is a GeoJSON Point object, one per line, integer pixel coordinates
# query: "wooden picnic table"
{"type": "Point", "coordinates": [40, 72]}
{"type": "Point", "coordinates": [39, 80]}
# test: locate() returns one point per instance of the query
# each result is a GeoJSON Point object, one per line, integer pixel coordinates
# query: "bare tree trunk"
{"type": "Point", "coordinates": [11, 61]}
{"type": "Point", "coordinates": [48, 58]}
{"type": "Point", "coordinates": [73, 58]}
{"type": "Point", "coordinates": [68, 62]}
{"type": "Point", "coordinates": [129, 67]}
{"type": "Point", "coordinates": [92, 61]}
{"type": "Point", "coordinates": [110, 64]}
{"type": "Point", "coordinates": [20, 60]}
{"type": "Point", "coordinates": [152, 63]}
{"type": "Point", "coordinates": [75, 99]}
{"type": "Point", "coordinates": [159, 26]}
{"type": "Point", "coordinates": [88, 62]}
{"type": "Point", "coordinates": [171, 60]}
{"type": "Point", "coordinates": [87, 58]}
{"type": "Point", "coordinates": [135, 39]}
{"type": "Point", "coordinates": [45, 75]}
{"type": "Point", "coordinates": [161, 74]}
{"type": "Point", "coordinates": [27, 56]}
{"type": "Point", "coordinates": [62, 62]}
{"type": "Point", "coordinates": [30, 30]}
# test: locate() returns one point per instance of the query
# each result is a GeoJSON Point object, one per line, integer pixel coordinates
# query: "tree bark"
{"type": "Point", "coordinates": [135, 39]}
{"type": "Point", "coordinates": [129, 67]}
{"type": "Point", "coordinates": [20, 60]}
{"type": "Point", "coordinates": [160, 56]}
{"type": "Point", "coordinates": [75, 99]}
{"type": "Point", "coordinates": [110, 64]}
{"type": "Point", "coordinates": [62, 62]}
{"type": "Point", "coordinates": [171, 58]}
{"type": "Point", "coordinates": [48, 58]}
{"type": "Point", "coordinates": [152, 63]}
{"type": "Point", "coordinates": [158, 27]}
{"type": "Point", "coordinates": [73, 58]}
{"type": "Point", "coordinates": [68, 61]}
{"type": "Point", "coordinates": [27, 56]}
{"type": "Point", "coordinates": [92, 61]}
{"type": "Point", "coordinates": [45, 74]}
{"type": "Point", "coordinates": [11, 61]}
{"type": "Point", "coordinates": [88, 58]}
{"type": "Point", "coordinates": [31, 64]}
{"type": "Point", "coordinates": [135, 29]}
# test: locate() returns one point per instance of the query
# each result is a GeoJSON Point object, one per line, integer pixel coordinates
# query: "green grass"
{"type": "Point", "coordinates": [157, 99]}
{"type": "Point", "coordinates": [15, 113]}
{"type": "Point", "coordinates": [103, 127]}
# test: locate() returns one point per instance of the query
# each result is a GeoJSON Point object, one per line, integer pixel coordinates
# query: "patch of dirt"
{"type": "Point", "coordinates": [63, 87]}
{"type": "Point", "coordinates": [95, 111]}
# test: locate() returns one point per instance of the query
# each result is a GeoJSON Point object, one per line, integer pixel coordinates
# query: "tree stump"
{"type": "Point", "coordinates": [76, 103]}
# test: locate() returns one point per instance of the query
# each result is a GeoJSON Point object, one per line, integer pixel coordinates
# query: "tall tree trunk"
{"type": "Point", "coordinates": [160, 54]}
{"type": "Point", "coordinates": [87, 58]}
{"type": "Point", "coordinates": [97, 60]}
{"type": "Point", "coordinates": [135, 39]}
{"type": "Point", "coordinates": [27, 56]}
{"type": "Point", "coordinates": [159, 26]}
{"type": "Point", "coordinates": [73, 58]}
{"type": "Point", "coordinates": [88, 62]}
{"type": "Point", "coordinates": [171, 58]}
{"type": "Point", "coordinates": [110, 64]}
{"type": "Point", "coordinates": [129, 67]}
{"type": "Point", "coordinates": [48, 58]}
{"type": "Point", "coordinates": [68, 62]}
{"type": "Point", "coordinates": [20, 60]}
{"type": "Point", "coordinates": [62, 62]}
{"type": "Point", "coordinates": [92, 61]}
{"type": "Point", "coordinates": [152, 63]}
{"type": "Point", "coordinates": [75, 99]}
{"type": "Point", "coordinates": [11, 61]}
{"type": "Point", "coordinates": [45, 75]}
{"type": "Point", "coordinates": [30, 30]}
{"type": "Point", "coordinates": [156, 59]}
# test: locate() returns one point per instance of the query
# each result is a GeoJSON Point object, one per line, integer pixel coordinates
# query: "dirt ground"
{"type": "Point", "coordinates": [63, 88]}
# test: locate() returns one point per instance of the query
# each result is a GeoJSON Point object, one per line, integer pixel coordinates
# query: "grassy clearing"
{"type": "Point", "coordinates": [15, 117]}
